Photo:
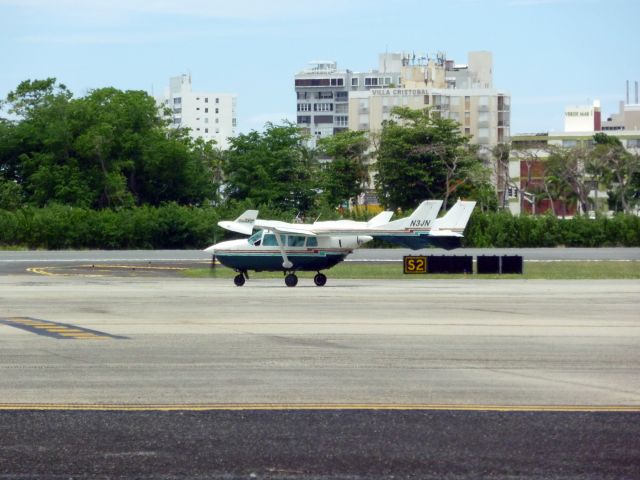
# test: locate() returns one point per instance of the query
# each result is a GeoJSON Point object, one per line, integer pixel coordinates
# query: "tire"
{"type": "Point", "coordinates": [320, 279]}
{"type": "Point", "coordinates": [239, 280]}
{"type": "Point", "coordinates": [291, 280]}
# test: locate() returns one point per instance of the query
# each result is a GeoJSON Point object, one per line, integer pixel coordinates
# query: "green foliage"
{"type": "Point", "coordinates": [62, 226]}
{"type": "Point", "coordinates": [271, 168]}
{"type": "Point", "coordinates": [107, 149]}
{"type": "Point", "coordinates": [423, 156]}
{"type": "Point", "coordinates": [345, 176]}
{"type": "Point", "coordinates": [504, 230]}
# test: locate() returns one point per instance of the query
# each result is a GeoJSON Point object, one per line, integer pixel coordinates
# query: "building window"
{"type": "Point", "coordinates": [355, 82]}
{"type": "Point", "coordinates": [206, 130]}
{"type": "Point", "coordinates": [217, 110]}
{"type": "Point", "coordinates": [337, 82]}
{"type": "Point", "coordinates": [323, 107]}
{"type": "Point", "coordinates": [177, 101]}
{"type": "Point", "coordinates": [467, 131]}
{"type": "Point", "coordinates": [304, 107]}
{"type": "Point", "coordinates": [206, 120]}
{"type": "Point", "coordinates": [426, 99]}
{"type": "Point", "coordinates": [217, 100]}
{"type": "Point", "coordinates": [206, 100]}
{"type": "Point", "coordinates": [206, 110]}
{"type": "Point", "coordinates": [217, 121]}
{"type": "Point", "coordinates": [313, 82]}
{"type": "Point", "coordinates": [325, 94]}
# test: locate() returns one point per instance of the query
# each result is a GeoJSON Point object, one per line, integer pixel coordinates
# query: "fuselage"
{"type": "Point", "coordinates": [262, 251]}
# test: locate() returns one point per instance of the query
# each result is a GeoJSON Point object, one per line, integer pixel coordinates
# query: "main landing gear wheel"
{"type": "Point", "coordinates": [239, 280]}
{"type": "Point", "coordinates": [320, 279]}
{"type": "Point", "coordinates": [291, 280]}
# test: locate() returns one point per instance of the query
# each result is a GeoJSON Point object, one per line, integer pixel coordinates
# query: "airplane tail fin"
{"type": "Point", "coordinates": [380, 219]}
{"type": "Point", "coordinates": [243, 224]}
{"type": "Point", "coordinates": [422, 218]}
{"type": "Point", "coordinates": [456, 218]}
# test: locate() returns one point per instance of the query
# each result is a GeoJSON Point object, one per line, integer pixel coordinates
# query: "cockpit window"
{"type": "Point", "coordinates": [255, 238]}
{"type": "Point", "coordinates": [295, 241]}
{"type": "Point", "coordinates": [269, 240]}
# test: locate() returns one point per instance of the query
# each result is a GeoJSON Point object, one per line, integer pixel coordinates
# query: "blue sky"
{"type": "Point", "coordinates": [546, 53]}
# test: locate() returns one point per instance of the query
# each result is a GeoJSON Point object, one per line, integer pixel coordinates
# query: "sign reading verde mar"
{"type": "Point", "coordinates": [415, 264]}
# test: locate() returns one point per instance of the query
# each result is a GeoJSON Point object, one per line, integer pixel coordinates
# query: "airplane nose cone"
{"type": "Point", "coordinates": [210, 249]}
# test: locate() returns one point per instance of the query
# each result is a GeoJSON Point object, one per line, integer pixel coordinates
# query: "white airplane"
{"type": "Point", "coordinates": [293, 247]}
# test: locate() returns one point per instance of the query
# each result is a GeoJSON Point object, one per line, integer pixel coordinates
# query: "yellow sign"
{"type": "Point", "coordinates": [417, 264]}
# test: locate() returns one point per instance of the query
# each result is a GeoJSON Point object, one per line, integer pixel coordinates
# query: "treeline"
{"type": "Point", "coordinates": [108, 170]}
{"type": "Point", "coordinates": [115, 149]}
{"type": "Point", "coordinates": [503, 230]}
{"type": "Point", "coordinates": [175, 226]}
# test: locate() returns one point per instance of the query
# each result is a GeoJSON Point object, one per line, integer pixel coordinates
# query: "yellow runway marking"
{"type": "Point", "coordinates": [320, 406]}
{"type": "Point", "coordinates": [56, 330]}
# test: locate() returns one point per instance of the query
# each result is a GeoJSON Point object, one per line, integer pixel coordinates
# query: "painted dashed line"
{"type": "Point", "coordinates": [60, 331]}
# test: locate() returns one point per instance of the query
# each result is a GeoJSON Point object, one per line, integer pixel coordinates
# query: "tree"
{"type": "Point", "coordinates": [271, 168]}
{"type": "Point", "coordinates": [620, 169]}
{"type": "Point", "coordinates": [422, 156]}
{"type": "Point", "coordinates": [107, 149]}
{"type": "Point", "coordinates": [501, 155]}
{"type": "Point", "coordinates": [346, 175]}
{"type": "Point", "coordinates": [568, 166]}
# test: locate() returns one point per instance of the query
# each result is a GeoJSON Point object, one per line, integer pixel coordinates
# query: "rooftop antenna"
{"type": "Point", "coordinates": [627, 92]}
{"type": "Point", "coordinates": [636, 92]}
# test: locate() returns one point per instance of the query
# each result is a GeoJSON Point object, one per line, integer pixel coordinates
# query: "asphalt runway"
{"type": "Point", "coordinates": [416, 379]}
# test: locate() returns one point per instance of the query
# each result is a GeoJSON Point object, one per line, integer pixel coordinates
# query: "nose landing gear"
{"type": "Point", "coordinates": [239, 279]}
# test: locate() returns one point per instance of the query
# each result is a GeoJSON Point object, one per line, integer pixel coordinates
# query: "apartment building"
{"type": "Point", "coordinates": [322, 96]}
{"type": "Point", "coordinates": [460, 92]}
{"type": "Point", "coordinates": [210, 116]}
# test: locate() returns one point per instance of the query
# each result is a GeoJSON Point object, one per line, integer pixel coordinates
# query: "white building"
{"type": "Point", "coordinates": [583, 118]}
{"type": "Point", "coordinates": [210, 116]}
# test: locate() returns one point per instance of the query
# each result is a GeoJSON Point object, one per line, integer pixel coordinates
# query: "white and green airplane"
{"type": "Point", "coordinates": [293, 247]}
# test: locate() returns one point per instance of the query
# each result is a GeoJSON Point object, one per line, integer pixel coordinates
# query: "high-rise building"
{"type": "Point", "coordinates": [463, 93]}
{"type": "Point", "coordinates": [330, 100]}
{"type": "Point", "coordinates": [211, 116]}
{"type": "Point", "coordinates": [322, 93]}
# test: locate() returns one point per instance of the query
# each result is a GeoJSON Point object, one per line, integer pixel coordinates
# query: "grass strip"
{"type": "Point", "coordinates": [556, 270]}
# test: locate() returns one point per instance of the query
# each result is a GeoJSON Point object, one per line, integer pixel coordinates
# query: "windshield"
{"type": "Point", "coordinates": [256, 237]}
